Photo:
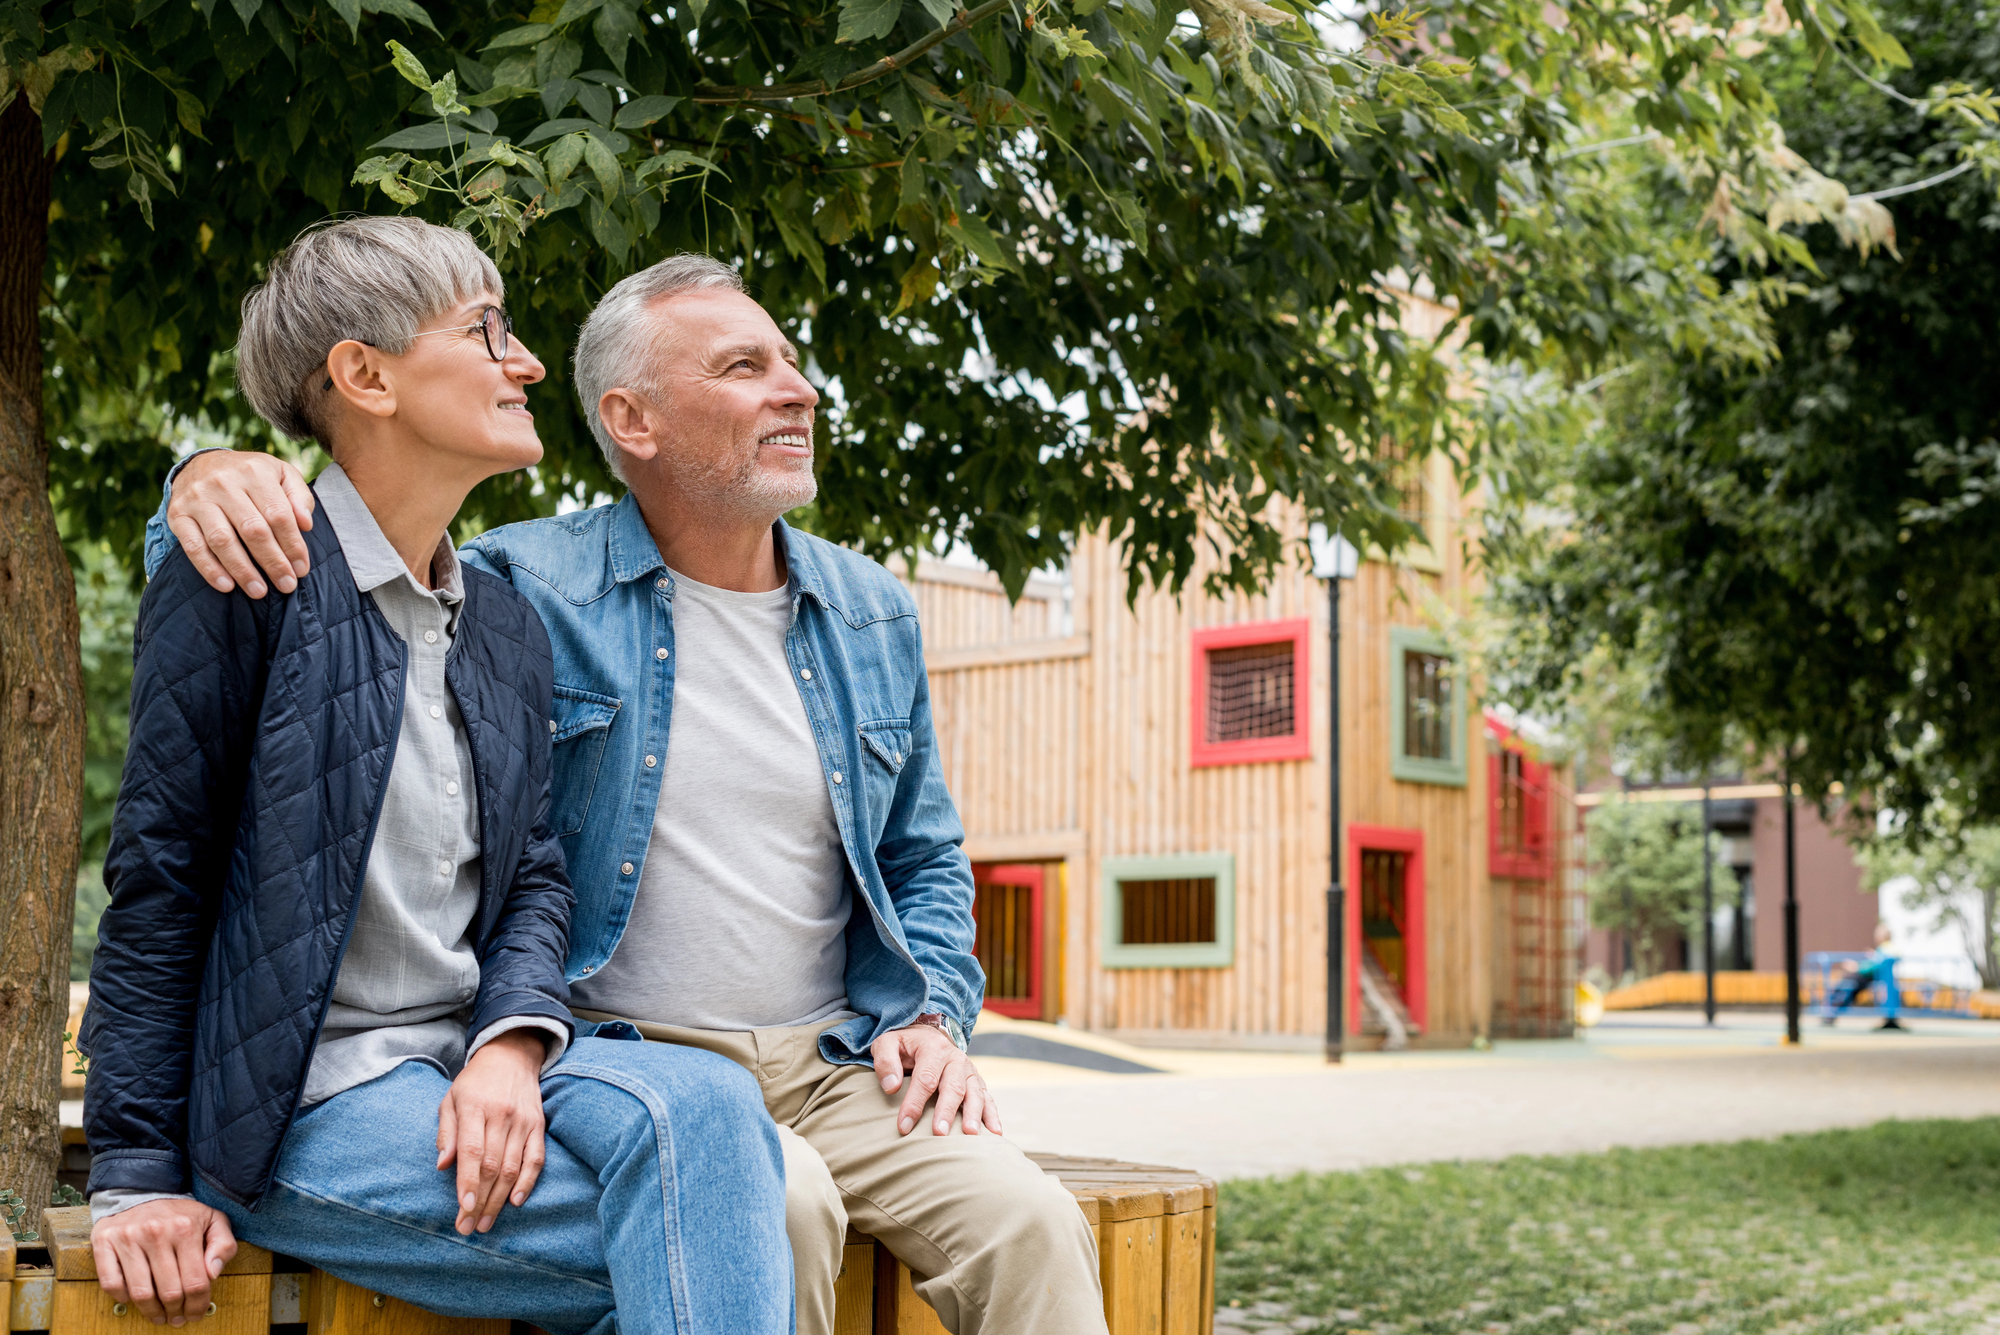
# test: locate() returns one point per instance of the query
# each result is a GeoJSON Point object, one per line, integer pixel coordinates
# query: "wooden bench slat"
{"type": "Point", "coordinates": [66, 1229]}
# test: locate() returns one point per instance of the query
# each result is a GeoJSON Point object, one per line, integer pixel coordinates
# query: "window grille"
{"type": "Point", "coordinates": [1427, 706]}
{"type": "Point", "coordinates": [1250, 692]}
{"type": "Point", "coordinates": [1168, 913]}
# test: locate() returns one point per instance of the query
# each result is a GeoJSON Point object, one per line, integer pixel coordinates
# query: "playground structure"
{"type": "Point", "coordinates": [1928, 984]}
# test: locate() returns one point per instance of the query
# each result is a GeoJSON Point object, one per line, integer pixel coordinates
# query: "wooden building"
{"type": "Point", "coordinates": [1145, 795]}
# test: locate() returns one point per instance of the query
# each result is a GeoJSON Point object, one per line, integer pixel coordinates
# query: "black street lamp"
{"type": "Point", "coordinates": [1334, 559]}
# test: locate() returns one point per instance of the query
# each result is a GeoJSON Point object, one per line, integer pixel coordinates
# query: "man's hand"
{"type": "Point", "coordinates": [936, 1066]}
{"type": "Point", "coordinates": [161, 1256]}
{"type": "Point", "coordinates": [490, 1124]}
{"type": "Point", "coordinates": [226, 500]}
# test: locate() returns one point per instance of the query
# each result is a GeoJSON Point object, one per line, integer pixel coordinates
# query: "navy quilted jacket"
{"type": "Point", "coordinates": [262, 734]}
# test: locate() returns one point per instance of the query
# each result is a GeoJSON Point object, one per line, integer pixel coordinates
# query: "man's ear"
{"type": "Point", "coordinates": [630, 421]}
{"type": "Point", "coordinates": [358, 378]}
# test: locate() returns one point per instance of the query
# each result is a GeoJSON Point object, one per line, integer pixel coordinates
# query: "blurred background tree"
{"type": "Point", "coordinates": [1955, 882]}
{"type": "Point", "coordinates": [1644, 877]}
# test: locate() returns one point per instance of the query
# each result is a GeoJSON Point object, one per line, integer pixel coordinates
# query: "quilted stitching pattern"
{"type": "Point", "coordinates": [262, 734]}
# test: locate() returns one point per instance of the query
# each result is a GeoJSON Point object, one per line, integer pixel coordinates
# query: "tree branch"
{"type": "Point", "coordinates": [715, 95]}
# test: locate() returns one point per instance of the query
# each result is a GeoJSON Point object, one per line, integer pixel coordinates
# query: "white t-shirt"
{"type": "Point", "coordinates": [740, 917]}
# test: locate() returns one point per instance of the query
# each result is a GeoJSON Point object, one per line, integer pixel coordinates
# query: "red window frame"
{"type": "Point", "coordinates": [1032, 876]}
{"type": "Point", "coordinates": [1296, 746]}
{"type": "Point", "coordinates": [1530, 862]}
{"type": "Point", "coordinates": [1388, 839]}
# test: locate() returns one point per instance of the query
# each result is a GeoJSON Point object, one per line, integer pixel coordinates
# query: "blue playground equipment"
{"type": "Point", "coordinates": [1933, 984]}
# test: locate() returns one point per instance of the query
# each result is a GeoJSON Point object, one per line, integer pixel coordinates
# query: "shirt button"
{"type": "Point", "coordinates": [627, 869]}
{"type": "Point", "coordinates": [444, 868]}
{"type": "Point", "coordinates": [451, 789]}
{"type": "Point", "coordinates": [552, 725]}
{"type": "Point", "coordinates": [660, 584]}
{"type": "Point", "coordinates": [836, 777]}
{"type": "Point", "coordinates": [899, 757]}
{"type": "Point", "coordinates": [430, 637]}
{"type": "Point", "coordinates": [652, 761]}
{"type": "Point", "coordinates": [660, 654]}
{"type": "Point", "coordinates": [805, 674]}
{"type": "Point", "coordinates": [436, 712]}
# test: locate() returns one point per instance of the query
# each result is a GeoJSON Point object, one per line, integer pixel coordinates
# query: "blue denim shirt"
{"type": "Point", "coordinates": [607, 599]}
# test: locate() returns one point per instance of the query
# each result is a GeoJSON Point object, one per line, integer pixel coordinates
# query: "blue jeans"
{"type": "Point", "coordinates": [661, 1207]}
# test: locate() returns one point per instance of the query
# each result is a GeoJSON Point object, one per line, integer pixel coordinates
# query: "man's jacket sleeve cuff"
{"type": "Point", "coordinates": [161, 1171]}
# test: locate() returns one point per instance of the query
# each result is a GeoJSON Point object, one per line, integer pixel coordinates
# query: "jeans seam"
{"type": "Point", "coordinates": [456, 1238]}
{"type": "Point", "coordinates": [669, 1182]}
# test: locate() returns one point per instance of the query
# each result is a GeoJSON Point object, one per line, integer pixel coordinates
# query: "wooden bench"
{"type": "Point", "coordinates": [1155, 1247]}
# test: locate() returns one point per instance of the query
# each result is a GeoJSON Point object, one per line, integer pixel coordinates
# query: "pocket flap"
{"type": "Point", "coordinates": [889, 739]}
{"type": "Point", "coordinates": [579, 711]}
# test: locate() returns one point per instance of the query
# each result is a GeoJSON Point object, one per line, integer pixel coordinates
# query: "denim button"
{"type": "Point", "coordinates": [660, 584]}
{"type": "Point", "coordinates": [837, 778]}
{"type": "Point", "coordinates": [660, 654]}
{"type": "Point", "coordinates": [627, 869]}
{"type": "Point", "coordinates": [652, 761]}
{"type": "Point", "coordinates": [805, 674]}
{"type": "Point", "coordinates": [552, 725]}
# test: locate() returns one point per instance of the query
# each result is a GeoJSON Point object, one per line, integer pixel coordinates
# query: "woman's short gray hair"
{"type": "Point", "coordinates": [619, 345]}
{"type": "Point", "coordinates": [373, 279]}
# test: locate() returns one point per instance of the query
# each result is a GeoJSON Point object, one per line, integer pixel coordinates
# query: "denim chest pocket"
{"type": "Point", "coordinates": [887, 744]}
{"type": "Point", "coordinates": [578, 731]}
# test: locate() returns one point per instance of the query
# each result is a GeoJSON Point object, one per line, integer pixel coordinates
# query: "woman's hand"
{"type": "Point", "coordinates": [161, 1256]}
{"type": "Point", "coordinates": [490, 1124]}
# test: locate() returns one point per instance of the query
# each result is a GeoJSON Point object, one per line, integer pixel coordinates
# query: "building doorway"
{"type": "Point", "coordinates": [1007, 914]}
{"type": "Point", "coordinates": [1386, 923]}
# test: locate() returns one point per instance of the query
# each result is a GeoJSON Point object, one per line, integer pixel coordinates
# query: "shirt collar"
{"type": "Point", "coordinates": [634, 554]}
{"type": "Point", "coordinates": [370, 558]}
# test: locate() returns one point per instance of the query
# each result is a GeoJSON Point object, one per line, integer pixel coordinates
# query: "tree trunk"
{"type": "Point", "coordinates": [41, 696]}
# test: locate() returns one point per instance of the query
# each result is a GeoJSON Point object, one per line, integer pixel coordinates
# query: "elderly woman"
{"type": "Point", "coordinates": [327, 1011]}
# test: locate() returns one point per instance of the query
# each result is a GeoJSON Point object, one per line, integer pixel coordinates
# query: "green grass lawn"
{"type": "Point", "coordinates": [1893, 1227]}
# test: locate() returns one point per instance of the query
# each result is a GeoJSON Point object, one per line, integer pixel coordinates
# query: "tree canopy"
{"type": "Point", "coordinates": [1793, 551]}
{"type": "Point", "coordinates": [1060, 265]}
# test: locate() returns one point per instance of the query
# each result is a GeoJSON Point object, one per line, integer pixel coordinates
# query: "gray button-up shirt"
{"type": "Point", "coordinates": [408, 979]}
{"type": "Point", "coordinates": [406, 985]}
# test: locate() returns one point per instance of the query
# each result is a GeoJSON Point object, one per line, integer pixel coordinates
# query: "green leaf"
{"type": "Point", "coordinates": [616, 26]}
{"type": "Point", "coordinates": [596, 102]}
{"type": "Point", "coordinates": [800, 241]}
{"type": "Point", "coordinates": [610, 231]}
{"type": "Point", "coordinates": [561, 160]}
{"type": "Point", "coordinates": [861, 20]}
{"type": "Point", "coordinates": [525, 35]}
{"type": "Point", "coordinates": [547, 130]}
{"type": "Point", "coordinates": [281, 33]}
{"type": "Point", "coordinates": [246, 10]}
{"type": "Point", "coordinates": [407, 10]}
{"type": "Point", "coordinates": [409, 66]}
{"type": "Point", "coordinates": [433, 134]}
{"type": "Point", "coordinates": [498, 93]}
{"type": "Point", "coordinates": [573, 10]}
{"type": "Point", "coordinates": [604, 164]}
{"type": "Point", "coordinates": [941, 10]}
{"type": "Point", "coordinates": [973, 233]}
{"type": "Point", "coordinates": [351, 11]}
{"type": "Point", "coordinates": [641, 111]}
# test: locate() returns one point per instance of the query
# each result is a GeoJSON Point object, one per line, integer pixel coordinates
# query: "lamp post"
{"type": "Point", "coordinates": [1791, 917]}
{"type": "Point", "coordinates": [1334, 559]}
{"type": "Point", "coordinates": [1707, 909]}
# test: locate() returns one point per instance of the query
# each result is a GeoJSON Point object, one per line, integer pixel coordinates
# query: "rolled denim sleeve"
{"type": "Point", "coordinates": [160, 540]}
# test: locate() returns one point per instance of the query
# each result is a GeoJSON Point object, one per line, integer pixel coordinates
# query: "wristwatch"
{"type": "Point", "coordinates": [946, 1025]}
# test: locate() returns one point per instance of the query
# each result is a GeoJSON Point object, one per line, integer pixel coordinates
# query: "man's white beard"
{"type": "Point", "coordinates": [745, 489]}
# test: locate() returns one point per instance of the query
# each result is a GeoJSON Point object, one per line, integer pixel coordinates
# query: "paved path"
{"type": "Point", "coordinates": [1654, 1078]}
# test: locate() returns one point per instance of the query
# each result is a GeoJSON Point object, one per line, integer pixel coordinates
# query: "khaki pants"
{"type": "Point", "coordinates": [997, 1246]}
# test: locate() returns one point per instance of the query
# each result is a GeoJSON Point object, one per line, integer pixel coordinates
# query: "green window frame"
{"type": "Point", "coordinates": [1217, 954]}
{"type": "Point", "coordinates": [1423, 769]}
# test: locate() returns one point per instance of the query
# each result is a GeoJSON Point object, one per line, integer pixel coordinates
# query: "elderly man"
{"type": "Point", "coordinates": [784, 883]}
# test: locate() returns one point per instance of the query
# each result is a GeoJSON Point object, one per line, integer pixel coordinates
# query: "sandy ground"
{"type": "Point", "coordinates": [1652, 1078]}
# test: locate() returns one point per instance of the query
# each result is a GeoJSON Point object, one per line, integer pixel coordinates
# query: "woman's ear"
{"type": "Point", "coordinates": [355, 373]}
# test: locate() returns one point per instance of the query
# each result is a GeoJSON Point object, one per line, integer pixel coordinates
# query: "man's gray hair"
{"type": "Point", "coordinates": [619, 347]}
{"type": "Point", "coordinates": [377, 280]}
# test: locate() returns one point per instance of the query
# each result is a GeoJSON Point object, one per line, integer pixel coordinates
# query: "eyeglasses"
{"type": "Point", "coordinates": [495, 326]}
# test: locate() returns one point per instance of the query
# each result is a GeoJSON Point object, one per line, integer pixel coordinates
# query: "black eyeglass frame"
{"type": "Point", "coordinates": [485, 336]}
